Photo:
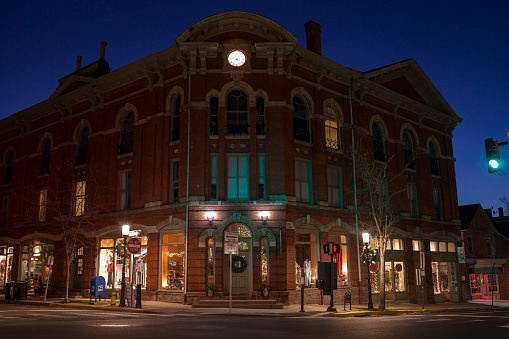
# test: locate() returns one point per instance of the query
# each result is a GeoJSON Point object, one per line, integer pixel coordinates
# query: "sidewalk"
{"type": "Point", "coordinates": [158, 307]}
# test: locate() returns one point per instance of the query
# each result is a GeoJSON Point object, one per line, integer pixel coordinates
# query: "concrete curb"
{"type": "Point", "coordinates": [88, 307]}
{"type": "Point", "coordinates": [377, 313]}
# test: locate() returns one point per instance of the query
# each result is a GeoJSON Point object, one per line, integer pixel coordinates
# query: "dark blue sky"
{"type": "Point", "coordinates": [463, 47]}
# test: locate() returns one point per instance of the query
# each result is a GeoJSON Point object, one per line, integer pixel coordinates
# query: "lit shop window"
{"type": "Point", "coordinates": [173, 269]}
{"type": "Point", "coordinates": [306, 258]}
{"type": "Point", "coordinates": [341, 259]}
{"type": "Point", "coordinates": [394, 277]}
{"type": "Point", "coordinates": [210, 262]}
{"type": "Point", "coordinates": [444, 277]}
{"type": "Point", "coordinates": [264, 260]}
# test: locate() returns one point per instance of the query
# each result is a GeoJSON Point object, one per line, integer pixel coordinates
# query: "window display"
{"type": "Point", "coordinates": [35, 267]}
{"type": "Point", "coordinates": [341, 259]}
{"type": "Point", "coordinates": [111, 261]}
{"type": "Point", "coordinates": [394, 277]}
{"type": "Point", "coordinates": [444, 277]}
{"type": "Point", "coordinates": [173, 268]}
{"type": "Point", "coordinates": [5, 265]}
{"type": "Point", "coordinates": [305, 258]}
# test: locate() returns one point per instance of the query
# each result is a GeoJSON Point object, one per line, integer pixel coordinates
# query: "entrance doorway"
{"type": "Point", "coordinates": [76, 268]}
{"type": "Point", "coordinates": [242, 280]}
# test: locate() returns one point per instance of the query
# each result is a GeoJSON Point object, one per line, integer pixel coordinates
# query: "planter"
{"type": "Point", "coordinates": [265, 293]}
{"type": "Point", "coordinates": [210, 293]}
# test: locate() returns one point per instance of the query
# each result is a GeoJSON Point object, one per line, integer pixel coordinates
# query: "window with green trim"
{"type": "Point", "coordinates": [238, 177]}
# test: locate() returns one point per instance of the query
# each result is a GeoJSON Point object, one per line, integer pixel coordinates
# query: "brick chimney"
{"type": "Point", "coordinates": [78, 63]}
{"type": "Point", "coordinates": [103, 50]}
{"type": "Point", "coordinates": [313, 37]}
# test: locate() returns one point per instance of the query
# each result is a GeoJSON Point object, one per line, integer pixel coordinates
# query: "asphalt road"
{"type": "Point", "coordinates": [21, 321]}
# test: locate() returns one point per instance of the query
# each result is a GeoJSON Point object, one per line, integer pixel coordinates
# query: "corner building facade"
{"type": "Point", "coordinates": [234, 122]}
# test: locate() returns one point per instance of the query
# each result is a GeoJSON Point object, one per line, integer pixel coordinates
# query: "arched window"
{"type": "Point", "coordinates": [45, 157]}
{"type": "Point", "coordinates": [81, 157]}
{"type": "Point", "coordinates": [236, 107]}
{"type": "Point", "coordinates": [210, 262]}
{"type": "Point", "coordinates": [378, 143]}
{"type": "Point", "coordinates": [409, 151]}
{"type": "Point", "coordinates": [127, 137]}
{"type": "Point", "coordinates": [331, 129]}
{"type": "Point", "coordinates": [300, 120]}
{"type": "Point", "coordinates": [433, 158]}
{"type": "Point", "coordinates": [264, 260]}
{"type": "Point", "coordinates": [175, 132]}
{"type": "Point", "coordinates": [8, 171]}
{"type": "Point", "coordinates": [214, 116]}
{"type": "Point", "coordinates": [260, 116]}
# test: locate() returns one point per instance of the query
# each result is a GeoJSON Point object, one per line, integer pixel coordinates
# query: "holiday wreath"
{"type": "Point", "coordinates": [119, 249]}
{"type": "Point", "coordinates": [241, 266]}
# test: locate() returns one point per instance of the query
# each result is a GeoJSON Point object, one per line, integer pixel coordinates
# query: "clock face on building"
{"type": "Point", "coordinates": [236, 58]}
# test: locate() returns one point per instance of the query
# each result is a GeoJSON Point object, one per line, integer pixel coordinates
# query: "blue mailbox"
{"type": "Point", "coordinates": [97, 288]}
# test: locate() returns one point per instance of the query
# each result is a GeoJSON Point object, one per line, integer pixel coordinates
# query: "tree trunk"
{"type": "Point", "coordinates": [67, 279]}
{"type": "Point", "coordinates": [381, 271]}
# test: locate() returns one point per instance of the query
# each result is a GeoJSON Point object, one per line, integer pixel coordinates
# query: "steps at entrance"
{"type": "Point", "coordinates": [249, 304]}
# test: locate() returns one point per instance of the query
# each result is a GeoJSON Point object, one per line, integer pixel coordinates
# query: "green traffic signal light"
{"type": "Point", "coordinates": [492, 155]}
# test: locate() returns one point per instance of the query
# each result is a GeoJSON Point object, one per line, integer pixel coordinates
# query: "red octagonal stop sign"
{"type": "Point", "coordinates": [134, 245]}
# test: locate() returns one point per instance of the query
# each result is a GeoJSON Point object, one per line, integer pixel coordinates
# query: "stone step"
{"type": "Point", "coordinates": [248, 304]}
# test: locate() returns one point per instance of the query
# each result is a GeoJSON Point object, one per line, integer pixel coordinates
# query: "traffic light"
{"type": "Point", "coordinates": [326, 248]}
{"type": "Point", "coordinates": [492, 155]}
{"type": "Point", "coordinates": [336, 248]}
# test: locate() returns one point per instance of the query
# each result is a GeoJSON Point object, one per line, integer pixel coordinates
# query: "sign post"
{"type": "Point", "coordinates": [231, 246]}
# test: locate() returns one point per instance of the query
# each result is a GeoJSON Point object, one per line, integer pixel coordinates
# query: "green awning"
{"type": "Point", "coordinates": [479, 270]}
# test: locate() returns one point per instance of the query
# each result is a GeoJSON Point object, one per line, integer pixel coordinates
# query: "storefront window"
{"type": "Point", "coordinates": [35, 267]}
{"type": "Point", "coordinates": [264, 260]}
{"type": "Point", "coordinates": [111, 262]}
{"type": "Point", "coordinates": [173, 269]}
{"type": "Point", "coordinates": [210, 262]}
{"type": "Point", "coordinates": [394, 277]}
{"type": "Point", "coordinates": [5, 265]}
{"type": "Point", "coordinates": [444, 277]}
{"type": "Point", "coordinates": [305, 258]}
{"type": "Point", "coordinates": [341, 259]}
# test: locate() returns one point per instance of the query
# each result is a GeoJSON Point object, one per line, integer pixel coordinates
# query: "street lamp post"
{"type": "Point", "coordinates": [365, 240]}
{"type": "Point", "coordinates": [125, 233]}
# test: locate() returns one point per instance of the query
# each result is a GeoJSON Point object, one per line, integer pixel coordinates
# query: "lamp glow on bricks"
{"type": "Point", "coordinates": [265, 216]}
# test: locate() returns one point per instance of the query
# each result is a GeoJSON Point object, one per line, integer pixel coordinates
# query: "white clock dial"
{"type": "Point", "coordinates": [236, 58]}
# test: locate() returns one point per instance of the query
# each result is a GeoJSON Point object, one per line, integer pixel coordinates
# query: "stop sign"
{"type": "Point", "coordinates": [134, 245]}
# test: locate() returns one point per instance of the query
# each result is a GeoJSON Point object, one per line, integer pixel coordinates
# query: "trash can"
{"type": "Point", "coordinates": [22, 289]}
{"type": "Point", "coordinates": [9, 291]}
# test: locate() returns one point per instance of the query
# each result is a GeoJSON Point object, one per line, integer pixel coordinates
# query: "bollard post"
{"type": "Point", "coordinates": [138, 296]}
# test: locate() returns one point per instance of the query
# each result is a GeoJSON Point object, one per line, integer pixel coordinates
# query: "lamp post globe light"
{"type": "Point", "coordinates": [125, 233]}
{"type": "Point", "coordinates": [365, 240]}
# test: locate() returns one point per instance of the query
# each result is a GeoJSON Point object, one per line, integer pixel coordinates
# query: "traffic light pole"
{"type": "Point", "coordinates": [331, 307]}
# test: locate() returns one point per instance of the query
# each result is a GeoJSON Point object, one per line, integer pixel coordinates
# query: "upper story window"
{"type": "Point", "coordinates": [43, 200]}
{"type": "Point", "coordinates": [127, 137]}
{"type": "Point", "coordinates": [79, 198]}
{"type": "Point", "coordinates": [303, 185]}
{"type": "Point", "coordinates": [45, 158]}
{"type": "Point", "coordinates": [409, 151]}
{"type": "Point", "coordinates": [175, 182]}
{"type": "Point", "coordinates": [334, 187]}
{"type": "Point", "coordinates": [433, 158]}
{"type": "Point", "coordinates": [175, 132]}
{"type": "Point", "coordinates": [8, 171]}
{"type": "Point", "coordinates": [260, 116]}
{"type": "Point", "coordinates": [238, 177]}
{"type": "Point", "coordinates": [378, 143]}
{"type": "Point", "coordinates": [236, 108]}
{"type": "Point", "coordinates": [214, 116]}
{"type": "Point", "coordinates": [300, 120]}
{"type": "Point", "coordinates": [437, 204]}
{"type": "Point", "coordinates": [81, 157]}
{"type": "Point", "coordinates": [125, 190]}
{"type": "Point", "coordinates": [331, 129]}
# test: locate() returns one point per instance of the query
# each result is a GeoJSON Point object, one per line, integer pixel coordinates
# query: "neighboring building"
{"type": "Point", "coordinates": [501, 222]}
{"type": "Point", "coordinates": [486, 253]}
{"type": "Point", "coordinates": [233, 122]}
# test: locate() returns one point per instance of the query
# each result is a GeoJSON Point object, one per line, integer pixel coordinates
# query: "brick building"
{"type": "Point", "coordinates": [234, 122]}
{"type": "Point", "coordinates": [486, 253]}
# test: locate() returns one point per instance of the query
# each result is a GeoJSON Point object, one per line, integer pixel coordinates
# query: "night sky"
{"type": "Point", "coordinates": [463, 47]}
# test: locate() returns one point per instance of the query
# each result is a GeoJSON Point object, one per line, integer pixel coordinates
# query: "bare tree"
{"type": "Point", "coordinates": [376, 193]}
{"type": "Point", "coordinates": [505, 201]}
{"type": "Point", "coordinates": [69, 204]}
